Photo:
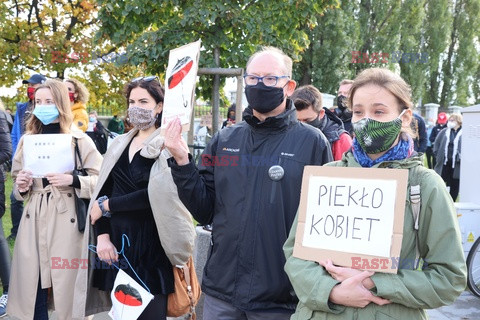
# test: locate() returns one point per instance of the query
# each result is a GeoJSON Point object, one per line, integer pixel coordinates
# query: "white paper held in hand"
{"type": "Point", "coordinates": [47, 153]}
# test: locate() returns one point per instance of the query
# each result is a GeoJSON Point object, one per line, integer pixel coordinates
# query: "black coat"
{"type": "Point", "coordinates": [435, 131]}
{"type": "Point", "coordinates": [99, 137]}
{"type": "Point", "coordinates": [251, 213]}
{"type": "Point", "coordinates": [331, 126]}
{"type": "Point", "coordinates": [5, 156]}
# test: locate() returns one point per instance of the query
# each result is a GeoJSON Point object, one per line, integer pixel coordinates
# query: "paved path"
{"type": "Point", "coordinates": [467, 307]}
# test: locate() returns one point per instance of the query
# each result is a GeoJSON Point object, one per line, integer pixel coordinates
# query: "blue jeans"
{"type": "Point", "coordinates": [41, 307]}
{"type": "Point", "coordinates": [4, 259]}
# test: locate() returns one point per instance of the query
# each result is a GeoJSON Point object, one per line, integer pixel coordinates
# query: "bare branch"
{"type": "Point", "coordinates": [16, 40]}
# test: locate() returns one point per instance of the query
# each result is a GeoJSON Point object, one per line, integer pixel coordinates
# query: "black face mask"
{"type": "Point", "coordinates": [317, 123]}
{"type": "Point", "coordinates": [341, 102]}
{"type": "Point", "coordinates": [262, 98]}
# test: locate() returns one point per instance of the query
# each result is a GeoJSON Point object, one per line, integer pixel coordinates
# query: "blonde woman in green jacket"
{"type": "Point", "coordinates": [381, 106]}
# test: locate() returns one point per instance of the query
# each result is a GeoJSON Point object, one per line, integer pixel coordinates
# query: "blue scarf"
{"type": "Point", "coordinates": [402, 150]}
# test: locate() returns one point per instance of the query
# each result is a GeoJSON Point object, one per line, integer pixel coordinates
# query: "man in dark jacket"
{"type": "Point", "coordinates": [248, 186]}
{"type": "Point", "coordinates": [308, 102]}
{"type": "Point", "coordinates": [441, 124]}
{"type": "Point", "coordinates": [342, 110]}
{"type": "Point", "coordinates": [24, 110]}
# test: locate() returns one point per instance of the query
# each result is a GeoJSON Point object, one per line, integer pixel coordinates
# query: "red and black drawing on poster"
{"type": "Point", "coordinates": [180, 80]}
{"type": "Point", "coordinates": [129, 298]}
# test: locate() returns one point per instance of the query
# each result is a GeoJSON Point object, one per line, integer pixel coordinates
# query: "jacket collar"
{"type": "Point", "coordinates": [272, 124]}
{"type": "Point", "coordinates": [331, 126]}
{"type": "Point", "coordinates": [152, 146]}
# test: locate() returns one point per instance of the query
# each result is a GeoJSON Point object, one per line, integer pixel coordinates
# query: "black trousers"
{"type": "Point", "coordinates": [430, 157]}
{"type": "Point", "coordinates": [156, 309]}
{"type": "Point", "coordinates": [447, 175]}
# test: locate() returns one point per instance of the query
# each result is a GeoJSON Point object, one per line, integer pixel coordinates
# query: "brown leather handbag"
{"type": "Point", "coordinates": [187, 291]}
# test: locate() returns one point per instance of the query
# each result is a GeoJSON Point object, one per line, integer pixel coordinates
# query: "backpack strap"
{"type": "Point", "coordinates": [416, 204]}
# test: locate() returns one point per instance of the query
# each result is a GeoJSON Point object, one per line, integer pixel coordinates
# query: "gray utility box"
{"type": "Point", "coordinates": [470, 156]}
{"type": "Point", "coordinates": [468, 214]}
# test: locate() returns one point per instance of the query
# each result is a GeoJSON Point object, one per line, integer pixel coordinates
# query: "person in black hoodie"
{"type": "Point", "coordinates": [230, 116]}
{"type": "Point", "coordinates": [308, 102]}
{"type": "Point", "coordinates": [247, 185]}
{"type": "Point", "coordinates": [96, 131]}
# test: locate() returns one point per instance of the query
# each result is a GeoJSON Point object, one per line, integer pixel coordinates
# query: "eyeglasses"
{"type": "Point", "coordinates": [147, 79]}
{"type": "Point", "coordinates": [269, 81]}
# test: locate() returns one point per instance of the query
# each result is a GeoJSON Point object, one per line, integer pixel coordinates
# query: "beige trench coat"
{"type": "Point", "coordinates": [174, 222]}
{"type": "Point", "coordinates": [48, 232]}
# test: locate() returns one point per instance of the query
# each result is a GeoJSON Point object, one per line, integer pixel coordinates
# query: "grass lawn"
{"type": "Point", "coordinates": [7, 217]}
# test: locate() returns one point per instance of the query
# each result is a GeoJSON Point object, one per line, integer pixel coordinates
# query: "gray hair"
{"type": "Point", "coordinates": [287, 61]}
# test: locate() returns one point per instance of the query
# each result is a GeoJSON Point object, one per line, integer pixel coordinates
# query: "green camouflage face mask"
{"type": "Point", "coordinates": [375, 136]}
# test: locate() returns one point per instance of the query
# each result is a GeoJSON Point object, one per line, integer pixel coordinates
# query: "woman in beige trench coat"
{"type": "Point", "coordinates": [48, 245]}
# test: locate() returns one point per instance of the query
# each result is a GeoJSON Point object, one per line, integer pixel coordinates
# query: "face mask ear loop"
{"type": "Point", "coordinates": [401, 114]}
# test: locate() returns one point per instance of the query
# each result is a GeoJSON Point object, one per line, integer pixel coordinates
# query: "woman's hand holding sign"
{"type": "Point", "coordinates": [59, 179]}
{"type": "Point", "coordinates": [175, 143]}
{"type": "Point", "coordinates": [342, 273]}
{"type": "Point", "coordinates": [24, 180]}
{"type": "Point", "coordinates": [352, 293]}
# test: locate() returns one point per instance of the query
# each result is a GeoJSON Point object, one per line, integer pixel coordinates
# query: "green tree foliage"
{"type": "Point", "coordinates": [319, 35]}
{"type": "Point", "coordinates": [462, 58]}
{"type": "Point", "coordinates": [150, 28]}
{"type": "Point", "coordinates": [55, 37]}
{"type": "Point", "coordinates": [32, 31]}
{"type": "Point", "coordinates": [327, 60]}
{"type": "Point", "coordinates": [444, 34]}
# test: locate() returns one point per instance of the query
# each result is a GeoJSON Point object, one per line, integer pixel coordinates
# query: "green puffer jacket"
{"type": "Point", "coordinates": [440, 282]}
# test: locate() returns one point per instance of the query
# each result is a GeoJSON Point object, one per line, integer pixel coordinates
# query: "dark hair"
{"type": "Point", "coordinates": [307, 96]}
{"type": "Point", "coordinates": [153, 87]}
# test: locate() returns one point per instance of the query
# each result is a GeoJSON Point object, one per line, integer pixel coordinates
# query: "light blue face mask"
{"type": "Point", "coordinates": [46, 113]}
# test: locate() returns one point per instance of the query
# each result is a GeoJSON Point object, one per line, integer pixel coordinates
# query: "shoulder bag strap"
{"type": "Point", "coordinates": [77, 152]}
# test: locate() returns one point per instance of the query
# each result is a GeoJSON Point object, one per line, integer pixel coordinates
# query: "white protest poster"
{"type": "Point", "coordinates": [47, 153]}
{"type": "Point", "coordinates": [180, 80]}
{"type": "Point", "coordinates": [353, 216]}
{"type": "Point", "coordinates": [129, 298]}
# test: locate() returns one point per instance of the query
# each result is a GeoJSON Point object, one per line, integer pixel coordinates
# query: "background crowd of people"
{"type": "Point", "coordinates": [251, 273]}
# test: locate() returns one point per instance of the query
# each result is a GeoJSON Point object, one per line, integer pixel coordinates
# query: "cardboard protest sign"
{"type": "Point", "coordinates": [353, 216]}
{"type": "Point", "coordinates": [47, 153]}
{"type": "Point", "coordinates": [180, 80]}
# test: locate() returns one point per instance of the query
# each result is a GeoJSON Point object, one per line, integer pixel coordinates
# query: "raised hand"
{"type": "Point", "coordinates": [175, 143]}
